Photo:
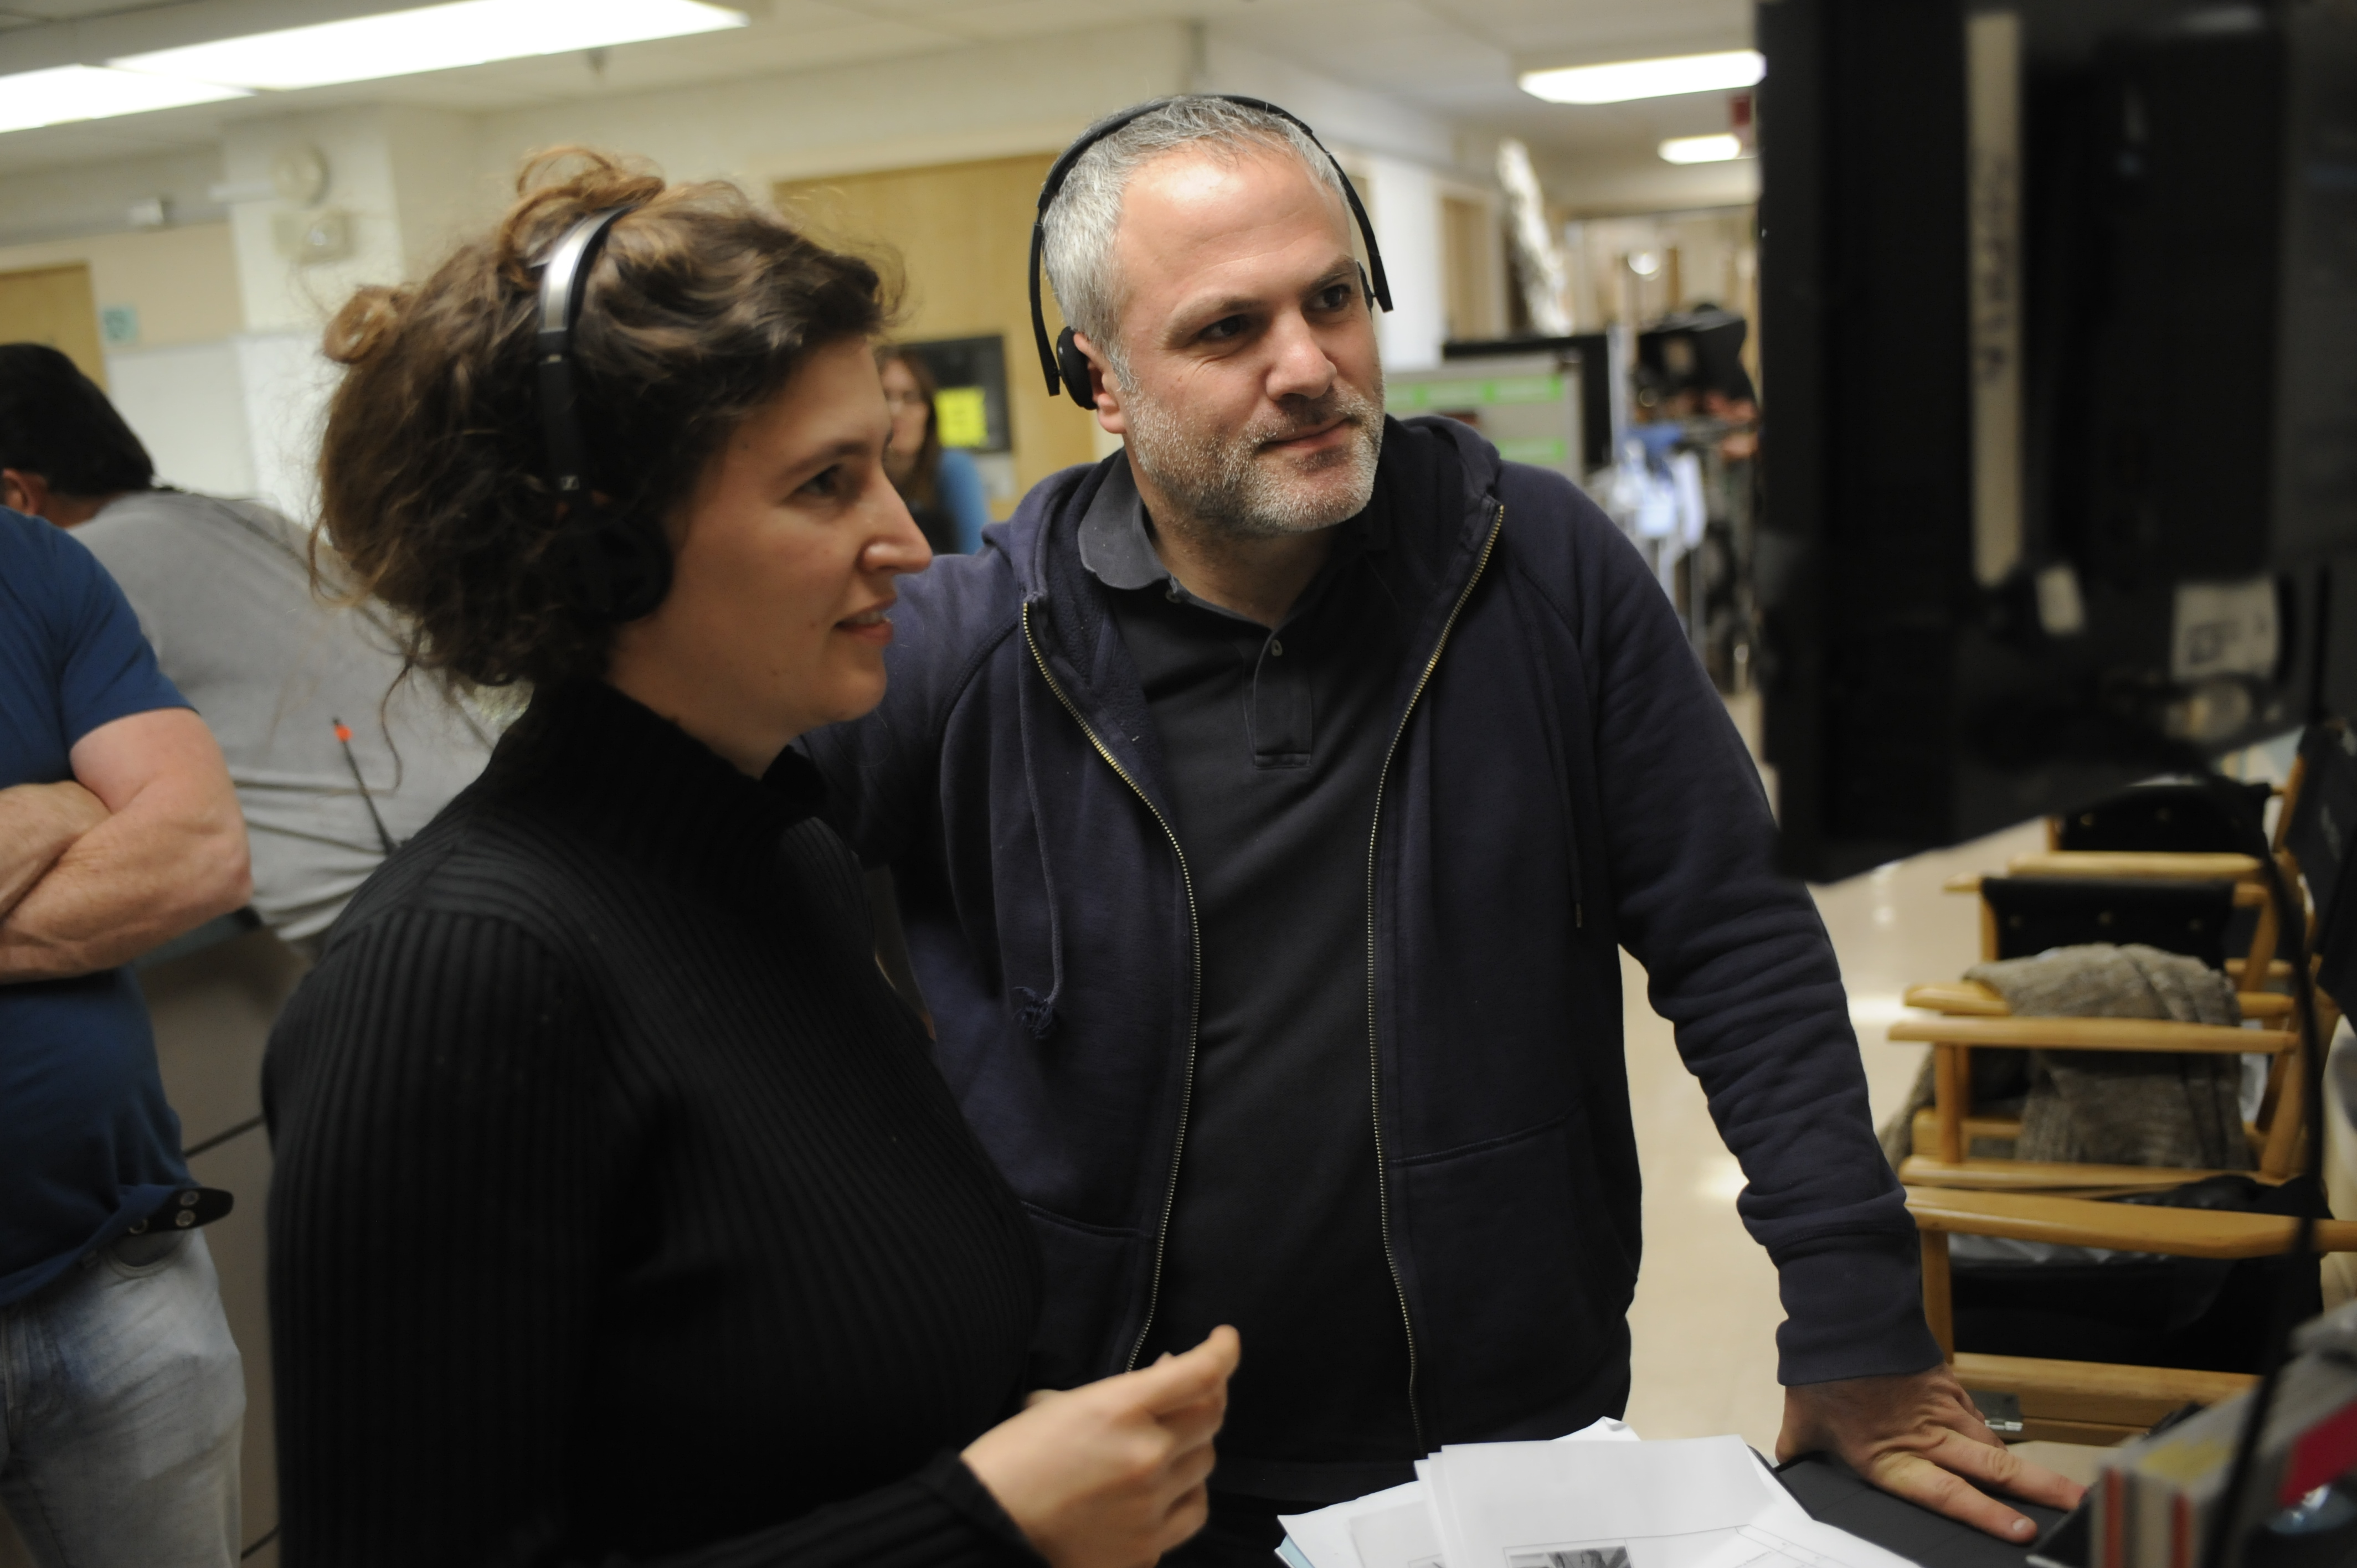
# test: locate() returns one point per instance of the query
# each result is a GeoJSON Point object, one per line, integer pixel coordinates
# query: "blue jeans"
{"type": "Point", "coordinates": [122, 1400]}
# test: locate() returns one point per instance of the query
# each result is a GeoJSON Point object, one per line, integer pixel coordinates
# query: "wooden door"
{"type": "Point", "coordinates": [963, 234]}
{"type": "Point", "coordinates": [54, 306]}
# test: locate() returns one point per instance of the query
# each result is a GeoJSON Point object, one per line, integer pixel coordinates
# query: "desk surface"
{"type": "Point", "coordinates": [1833, 1495]}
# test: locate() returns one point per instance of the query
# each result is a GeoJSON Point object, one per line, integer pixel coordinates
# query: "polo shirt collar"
{"type": "Point", "coordinates": [1114, 544]}
{"type": "Point", "coordinates": [1118, 549]}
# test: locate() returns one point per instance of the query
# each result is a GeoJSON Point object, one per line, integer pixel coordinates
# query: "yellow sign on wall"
{"type": "Point", "coordinates": [961, 417]}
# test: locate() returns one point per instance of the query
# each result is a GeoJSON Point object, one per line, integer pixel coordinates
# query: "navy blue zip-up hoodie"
{"type": "Point", "coordinates": [1562, 782]}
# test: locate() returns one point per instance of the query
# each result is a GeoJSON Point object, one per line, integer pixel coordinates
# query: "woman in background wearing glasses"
{"type": "Point", "coordinates": [940, 484]}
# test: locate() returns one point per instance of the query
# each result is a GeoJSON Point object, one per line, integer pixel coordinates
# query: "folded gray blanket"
{"type": "Point", "coordinates": [2125, 1108]}
{"type": "Point", "coordinates": [2118, 1108]}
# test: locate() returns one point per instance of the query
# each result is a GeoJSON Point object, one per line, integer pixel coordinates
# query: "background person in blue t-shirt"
{"type": "Point", "coordinates": [222, 590]}
{"type": "Point", "coordinates": [118, 832]}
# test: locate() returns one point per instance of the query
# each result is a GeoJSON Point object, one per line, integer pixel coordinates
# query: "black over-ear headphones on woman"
{"type": "Point", "coordinates": [1067, 368]}
{"type": "Point", "coordinates": [610, 565]}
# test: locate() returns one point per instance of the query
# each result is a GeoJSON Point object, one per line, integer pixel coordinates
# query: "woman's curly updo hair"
{"type": "Point", "coordinates": [435, 493]}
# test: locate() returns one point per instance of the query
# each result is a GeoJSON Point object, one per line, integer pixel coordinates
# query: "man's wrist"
{"type": "Point", "coordinates": [1853, 1309]}
{"type": "Point", "coordinates": [61, 813]}
{"type": "Point", "coordinates": [39, 823]}
{"type": "Point", "coordinates": [82, 809]}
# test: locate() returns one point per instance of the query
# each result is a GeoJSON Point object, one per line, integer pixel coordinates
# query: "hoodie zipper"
{"type": "Point", "coordinates": [1374, 1053]}
{"type": "Point", "coordinates": [1195, 997]}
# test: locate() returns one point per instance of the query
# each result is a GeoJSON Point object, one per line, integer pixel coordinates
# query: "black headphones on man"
{"type": "Point", "coordinates": [1067, 368]}
{"type": "Point", "coordinates": [611, 565]}
{"type": "Point", "coordinates": [614, 567]}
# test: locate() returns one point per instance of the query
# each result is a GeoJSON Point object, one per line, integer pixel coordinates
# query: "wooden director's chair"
{"type": "Point", "coordinates": [2091, 1401]}
{"type": "Point", "coordinates": [1951, 1191]}
{"type": "Point", "coordinates": [2145, 889]}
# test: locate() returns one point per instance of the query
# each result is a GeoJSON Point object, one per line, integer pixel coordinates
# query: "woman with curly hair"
{"type": "Point", "coordinates": [619, 1214]}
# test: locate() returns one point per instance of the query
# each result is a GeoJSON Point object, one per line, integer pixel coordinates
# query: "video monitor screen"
{"type": "Point", "coordinates": [2060, 345]}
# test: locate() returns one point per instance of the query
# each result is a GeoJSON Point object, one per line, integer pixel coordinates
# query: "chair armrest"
{"type": "Point", "coordinates": [2143, 864]}
{"type": "Point", "coordinates": [2277, 969]}
{"type": "Point", "coordinates": [1972, 999]}
{"type": "Point", "coordinates": [1958, 998]}
{"type": "Point", "coordinates": [2050, 1176]}
{"type": "Point", "coordinates": [2132, 1227]}
{"type": "Point", "coordinates": [2091, 1035]}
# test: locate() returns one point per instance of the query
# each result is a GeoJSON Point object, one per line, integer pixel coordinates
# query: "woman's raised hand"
{"type": "Point", "coordinates": [1110, 1474]}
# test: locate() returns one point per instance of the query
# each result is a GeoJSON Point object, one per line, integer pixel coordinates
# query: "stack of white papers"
{"type": "Point", "coordinates": [1598, 1499]}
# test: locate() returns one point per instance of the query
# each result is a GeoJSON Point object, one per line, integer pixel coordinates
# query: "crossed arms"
{"type": "Point", "coordinates": [143, 844]}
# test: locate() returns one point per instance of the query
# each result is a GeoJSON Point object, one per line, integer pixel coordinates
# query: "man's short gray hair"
{"type": "Point", "coordinates": [1087, 210]}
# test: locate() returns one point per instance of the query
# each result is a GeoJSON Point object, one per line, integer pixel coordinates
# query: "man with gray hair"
{"type": "Point", "coordinates": [1267, 804]}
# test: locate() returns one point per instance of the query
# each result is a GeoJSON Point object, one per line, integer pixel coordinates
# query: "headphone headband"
{"type": "Point", "coordinates": [564, 283]}
{"type": "Point", "coordinates": [613, 566]}
{"type": "Point", "coordinates": [1378, 286]}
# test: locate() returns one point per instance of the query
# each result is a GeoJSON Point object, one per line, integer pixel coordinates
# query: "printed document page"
{"type": "Point", "coordinates": [1698, 1503]}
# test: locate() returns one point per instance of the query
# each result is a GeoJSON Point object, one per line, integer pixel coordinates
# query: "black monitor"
{"type": "Point", "coordinates": [1698, 350]}
{"type": "Point", "coordinates": [2059, 335]}
{"type": "Point", "coordinates": [1588, 353]}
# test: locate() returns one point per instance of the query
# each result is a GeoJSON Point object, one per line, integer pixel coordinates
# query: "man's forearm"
{"type": "Point", "coordinates": [38, 822]}
{"type": "Point", "coordinates": [128, 884]}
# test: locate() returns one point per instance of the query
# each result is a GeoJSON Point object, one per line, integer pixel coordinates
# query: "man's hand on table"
{"type": "Point", "coordinates": [1920, 1438]}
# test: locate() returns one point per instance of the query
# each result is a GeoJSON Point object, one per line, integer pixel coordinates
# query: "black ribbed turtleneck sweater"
{"type": "Point", "coordinates": [620, 1211]}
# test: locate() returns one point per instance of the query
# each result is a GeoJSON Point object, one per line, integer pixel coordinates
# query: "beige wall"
{"type": "Point", "coordinates": [962, 233]}
{"type": "Point", "coordinates": [183, 282]}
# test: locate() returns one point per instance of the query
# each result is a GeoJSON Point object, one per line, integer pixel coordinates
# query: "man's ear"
{"type": "Point", "coordinates": [1102, 387]}
{"type": "Point", "coordinates": [22, 491]}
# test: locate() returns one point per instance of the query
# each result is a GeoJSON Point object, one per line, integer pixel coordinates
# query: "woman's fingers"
{"type": "Point", "coordinates": [1193, 1468]}
{"type": "Point", "coordinates": [1182, 1381]}
{"type": "Point", "coordinates": [1197, 1433]}
{"type": "Point", "coordinates": [1102, 1473]}
{"type": "Point", "coordinates": [1187, 1515]}
{"type": "Point", "coordinates": [1189, 1425]}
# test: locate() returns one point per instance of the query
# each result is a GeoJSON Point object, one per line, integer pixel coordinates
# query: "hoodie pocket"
{"type": "Point", "coordinates": [1521, 1286]}
{"type": "Point", "coordinates": [1092, 1298]}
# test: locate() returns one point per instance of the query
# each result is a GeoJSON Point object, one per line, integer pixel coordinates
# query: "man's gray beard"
{"type": "Point", "coordinates": [1221, 483]}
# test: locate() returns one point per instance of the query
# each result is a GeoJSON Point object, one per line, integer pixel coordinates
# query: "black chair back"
{"type": "Point", "coordinates": [2034, 913]}
{"type": "Point", "coordinates": [2165, 817]}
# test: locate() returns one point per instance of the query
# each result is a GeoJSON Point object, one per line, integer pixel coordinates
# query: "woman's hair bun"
{"type": "Point", "coordinates": [366, 323]}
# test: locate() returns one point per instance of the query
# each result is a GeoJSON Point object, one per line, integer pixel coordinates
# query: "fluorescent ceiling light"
{"type": "Point", "coordinates": [433, 37]}
{"type": "Point", "coordinates": [1631, 79]}
{"type": "Point", "coordinates": [68, 93]}
{"type": "Point", "coordinates": [1715, 149]}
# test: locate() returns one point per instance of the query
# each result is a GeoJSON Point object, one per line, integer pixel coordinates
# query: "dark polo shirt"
{"type": "Point", "coordinates": [1276, 743]}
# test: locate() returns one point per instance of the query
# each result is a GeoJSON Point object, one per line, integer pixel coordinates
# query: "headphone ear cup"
{"type": "Point", "coordinates": [611, 568]}
{"type": "Point", "coordinates": [1074, 365]}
